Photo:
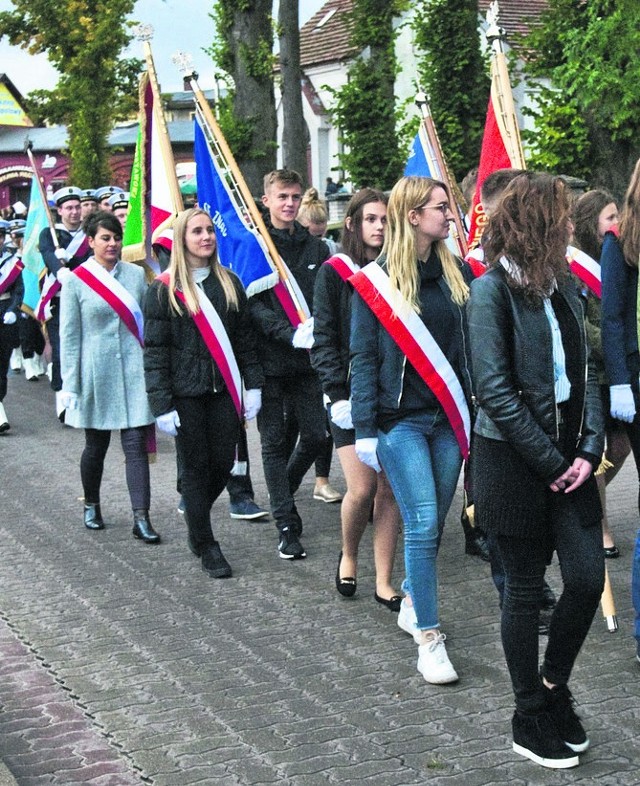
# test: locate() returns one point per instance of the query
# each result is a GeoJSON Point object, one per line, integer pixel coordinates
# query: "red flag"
{"type": "Point", "coordinates": [492, 156]}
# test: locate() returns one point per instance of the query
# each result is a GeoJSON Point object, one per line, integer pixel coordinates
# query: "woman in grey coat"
{"type": "Point", "coordinates": [102, 369]}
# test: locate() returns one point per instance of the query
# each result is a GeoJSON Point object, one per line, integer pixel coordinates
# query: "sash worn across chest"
{"type": "Point", "coordinates": [50, 285]}
{"type": "Point", "coordinates": [78, 246]}
{"type": "Point", "coordinates": [285, 292]}
{"type": "Point", "coordinates": [586, 269]}
{"type": "Point", "coordinates": [114, 294]}
{"type": "Point", "coordinates": [344, 266]}
{"type": "Point", "coordinates": [421, 349]}
{"type": "Point", "coordinates": [217, 341]}
{"type": "Point", "coordinates": [9, 272]}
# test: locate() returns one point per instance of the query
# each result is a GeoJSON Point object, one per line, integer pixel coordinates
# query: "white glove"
{"type": "Point", "coordinates": [341, 414]}
{"type": "Point", "coordinates": [9, 318]}
{"type": "Point", "coordinates": [367, 452]}
{"type": "Point", "coordinates": [622, 404]}
{"type": "Point", "coordinates": [252, 403]}
{"type": "Point", "coordinates": [63, 275]}
{"type": "Point", "coordinates": [62, 254]}
{"type": "Point", "coordinates": [169, 423]}
{"type": "Point", "coordinates": [68, 400]}
{"type": "Point", "coordinates": [303, 337]}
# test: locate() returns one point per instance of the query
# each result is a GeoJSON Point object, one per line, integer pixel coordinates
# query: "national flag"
{"type": "Point", "coordinates": [420, 156]}
{"type": "Point", "coordinates": [493, 156]}
{"type": "Point", "coordinates": [152, 206]}
{"type": "Point", "coordinates": [240, 245]}
{"type": "Point", "coordinates": [31, 256]}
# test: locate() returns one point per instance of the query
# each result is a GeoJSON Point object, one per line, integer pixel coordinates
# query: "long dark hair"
{"type": "Point", "coordinates": [351, 239]}
{"type": "Point", "coordinates": [531, 228]}
{"type": "Point", "coordinates": [586, 212]}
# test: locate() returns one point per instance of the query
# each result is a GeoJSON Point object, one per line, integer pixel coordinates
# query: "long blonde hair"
{"type": "Point", "coordinates": [180, 272]}
{"type": "Point", "coordinates": [400, 248]}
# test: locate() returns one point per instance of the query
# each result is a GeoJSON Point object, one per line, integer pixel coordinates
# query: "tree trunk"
{"type": "Point", "coordinates": [294, 130]}
{"type": "Point", "coordinates": [250, 41]}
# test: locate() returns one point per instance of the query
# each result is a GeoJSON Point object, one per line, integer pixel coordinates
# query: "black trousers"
{"type": "Point", "coordinates": [206, 447]}
{"type": "Point", "coordinates": [133, 441]}
{"type": "Point", "coordinates": [53, 332]}
{"type": "Point", "coordinates": [300, 396]}
{"type": "Point", "coordinates": [31, 338]}
{"type": "Point", "coordinates": [524, 560]}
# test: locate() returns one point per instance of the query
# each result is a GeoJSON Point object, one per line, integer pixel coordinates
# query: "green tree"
{"type": "Point", "coordinates": [587, 122]}
{"type": "Point", "coordinates": [454, 75]}
{"type": "Point", "coordinates": [83, 39]}
{"type": "Point", "coordinates": [244, 49]}
{"type": "Point", "coordinates": [364, 108]}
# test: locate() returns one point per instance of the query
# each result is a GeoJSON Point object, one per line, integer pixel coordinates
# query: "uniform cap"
{"type": "Point", "coordinates": [65, 194]}
{"type": "Point", "coordinates": [88, 195]}
{"type": "Point", "coordinates": [120, 199]}
{"type": "Point", "coordinates": [104, 191]}
{"type": "Point", "coordinates": [17, 226]}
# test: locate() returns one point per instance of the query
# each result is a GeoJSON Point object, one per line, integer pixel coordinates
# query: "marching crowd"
{"type": "Point", "coordinates": [409, 360]}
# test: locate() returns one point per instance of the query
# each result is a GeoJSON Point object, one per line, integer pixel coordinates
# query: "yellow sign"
{"type": "Point", "coordinates": [11, 113]}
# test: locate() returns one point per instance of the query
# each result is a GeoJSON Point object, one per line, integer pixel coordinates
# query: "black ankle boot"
{"type": "Point", "coordinates": [93, 516]}
{"type": "Point", "coordinates": [142, 527]}
{"type": "Point", "coordinates": [475, 541]}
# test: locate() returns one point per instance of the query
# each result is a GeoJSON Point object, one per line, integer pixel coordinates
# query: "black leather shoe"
{"type": "Point", "coordinates": [214, 563]}
{"type": "Point", "coordinates": [611, 552]}
{"type": "Point", "coordinates": [93, 516]}
{"type": "Point", "coordinates": [347, 586]}
{"type": "Point", "coordinates": [142, 528]}
{"type": "Point", "coordinates": [393, 604]}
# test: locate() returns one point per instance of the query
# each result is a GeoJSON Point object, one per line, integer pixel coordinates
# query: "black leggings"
{"type": "Point", "coordinates": [133, 442]}
{"type": "Point", "coordinates": [524, 560]}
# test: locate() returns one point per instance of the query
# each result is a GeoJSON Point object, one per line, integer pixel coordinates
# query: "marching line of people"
{"type": "Point", "coordinates": [413, 360]}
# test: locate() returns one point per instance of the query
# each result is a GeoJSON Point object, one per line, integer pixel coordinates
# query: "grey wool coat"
{"type": "Point", "coordinates": [101, 360]}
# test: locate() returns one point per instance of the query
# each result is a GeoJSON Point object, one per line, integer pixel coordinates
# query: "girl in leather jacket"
{"type": "Point", "coordinates": [538, 436]}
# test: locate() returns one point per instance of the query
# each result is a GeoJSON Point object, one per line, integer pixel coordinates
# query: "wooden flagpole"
{"type": "Point", "coordinates": [182, 62]}
{"type": "Point", "coordinates": [43, 195]}
{"type": "Point", "coordinates": [608, 604]}
{"type": "Point", "coordinates": [445, 174]}
{"type": "Point", "coordinates": [501, 90]}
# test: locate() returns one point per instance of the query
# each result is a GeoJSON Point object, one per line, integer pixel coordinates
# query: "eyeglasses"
{"type": "Point", "coordinates": [443, 207]}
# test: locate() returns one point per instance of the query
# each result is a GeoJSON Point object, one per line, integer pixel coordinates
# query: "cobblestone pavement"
{"type": "Point", "coordinates": [122, 663]}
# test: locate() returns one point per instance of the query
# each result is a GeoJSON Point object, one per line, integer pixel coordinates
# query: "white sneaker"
{"type": "Point", "coordinates": [433, 661]}
{"type": "Point", "coordinates": [408, 621]}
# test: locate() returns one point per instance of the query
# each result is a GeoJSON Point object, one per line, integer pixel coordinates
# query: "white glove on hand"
{"type": "Point", "coordinates": [303, 337]}
{"type": "Point", "coordinates": [169, 423]}
{"type": "Point", "coordinates": [367, 452]}
{"type": "Point", "coordinates": [68, 400]}
{"type": "Point", "coordinates": [341, 414]}
{"type": "Point", "coordinates": [252, 403]}
{"type": "Point", "coordinates": [9, 318]}
{"type": "Point", "coordinates": [622, 404]}
{"type": "Point", "coordinates": [62, 254]}
{"type": "Point", "coordinates": [63, 275]}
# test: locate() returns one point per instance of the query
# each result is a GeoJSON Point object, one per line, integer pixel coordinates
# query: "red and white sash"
{"type": "Point", "coordinates": [284, 295]}
{"type": "Point", "coordinates": [586, 269]}
{"type": "Point", "coordinates": [344, 266]}
{"type": "Point", "coordinates": [9, 273]}
{"type": "Point", "coordinates": [51, 286]}
{"type": "Point", "coordinates": [114, 294]}
{"type": "Point", "coordinates": [217, 341]}
{"type": "Point", "coordinates": [421, 349]}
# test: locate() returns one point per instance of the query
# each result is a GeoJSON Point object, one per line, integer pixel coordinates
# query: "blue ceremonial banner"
{"type": "Point", "coordinates": [240, 247]}
{"type": "Point", "coordinates": [418, 161]}
{"type": "Point", "coordinates": [31, 256]}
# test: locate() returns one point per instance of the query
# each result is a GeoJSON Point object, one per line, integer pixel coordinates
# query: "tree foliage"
{"type": "Point", "coordinates": [83, 39]}
{"type": "Point", "coordinates": [244, 49]}
{"type": "Point", "coordinates": [588, 124]}
{"type": "Point", "coordinates": [364, 108]}
{"type": "Point", "coordinates": [454, 75]}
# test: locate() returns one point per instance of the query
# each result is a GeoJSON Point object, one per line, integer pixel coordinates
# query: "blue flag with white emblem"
{"type": "Point", "coordinates": [240, 247]}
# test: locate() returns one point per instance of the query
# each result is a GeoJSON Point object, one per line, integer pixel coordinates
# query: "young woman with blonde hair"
{"type": "Point", "coordinates": [397, 408]}
{"type": "Point", "coordinates": [197, 329]}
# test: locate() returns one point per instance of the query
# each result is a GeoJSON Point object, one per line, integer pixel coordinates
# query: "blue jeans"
{"type": "Point", "coordinates": [422, 460]}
